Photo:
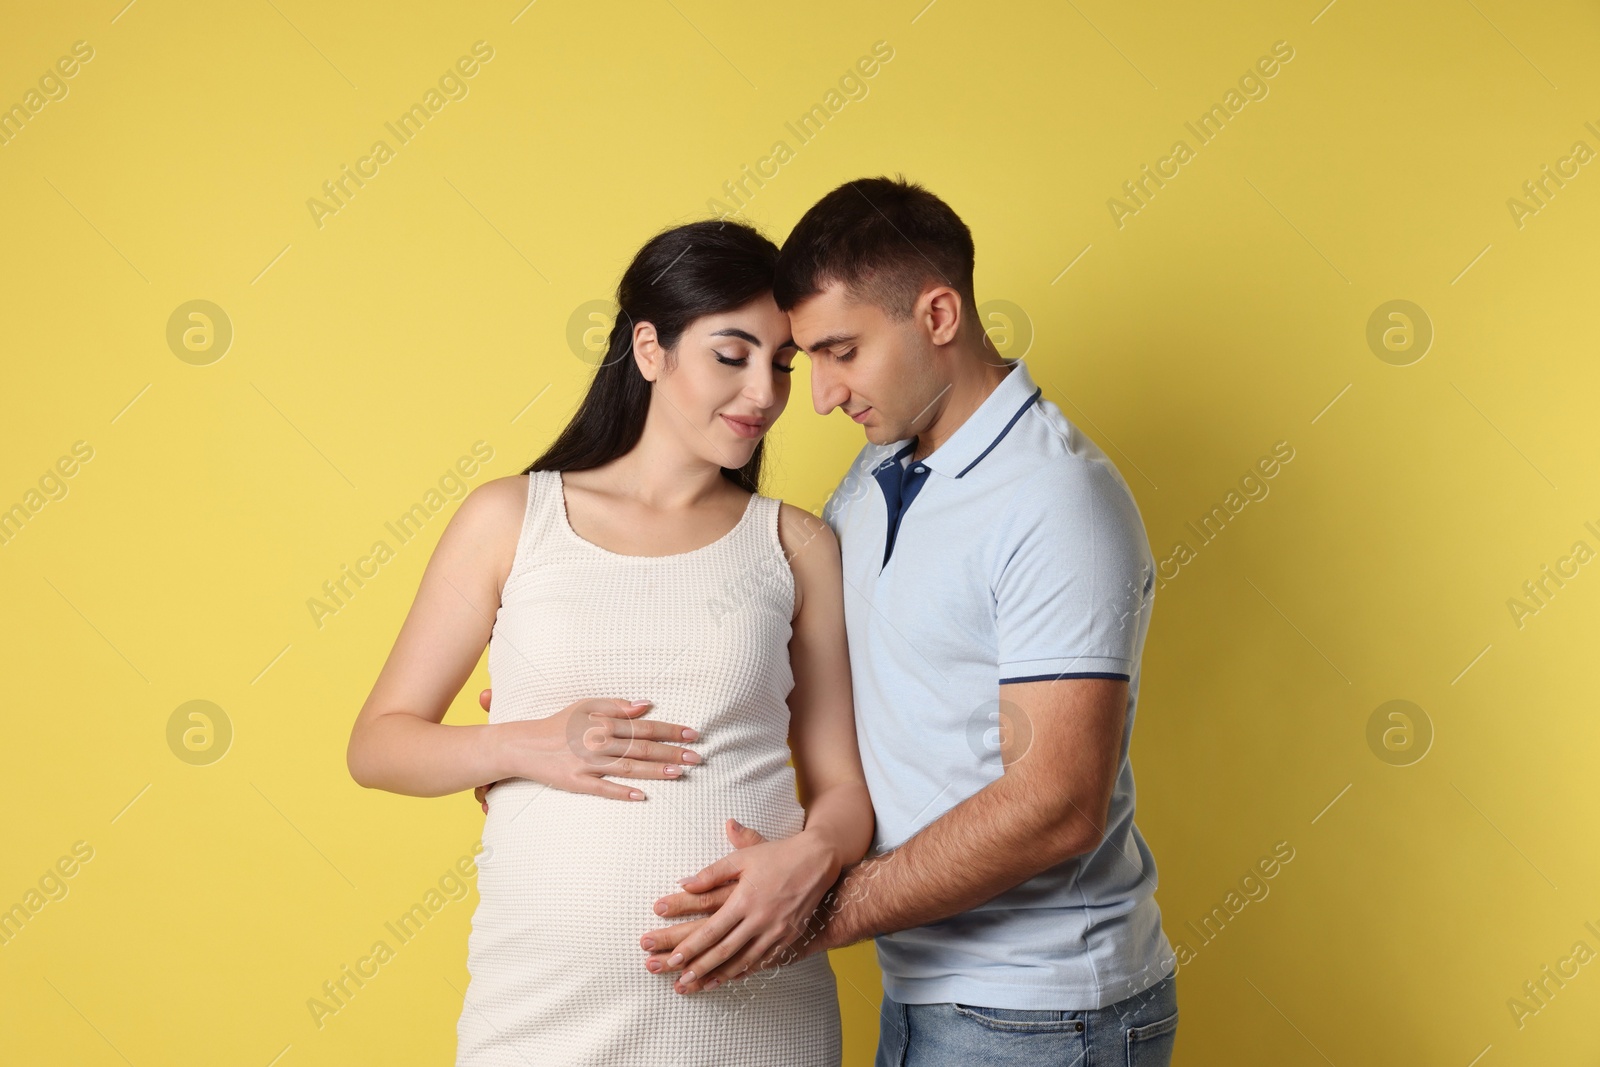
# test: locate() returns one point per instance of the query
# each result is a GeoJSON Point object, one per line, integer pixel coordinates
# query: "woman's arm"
{"type": "Point", "coordinates": [822, 721]}
{"type": "Point", "coordinates": [776, 886]}
{"type": "Point", "coordinates": [399, 742]}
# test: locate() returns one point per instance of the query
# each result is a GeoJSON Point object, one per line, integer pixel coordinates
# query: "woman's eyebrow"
{"type": "Point", "coordinates": [745, 335]}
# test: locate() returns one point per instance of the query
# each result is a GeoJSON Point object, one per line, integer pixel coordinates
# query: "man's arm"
{"type": "Point", "coordinates": [1060, 742]}
{"type": "Point", "coordinates": [1061, 747]}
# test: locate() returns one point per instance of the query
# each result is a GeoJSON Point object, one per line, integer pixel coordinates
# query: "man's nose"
{"type": "Point", "coordinates": [827, 392]}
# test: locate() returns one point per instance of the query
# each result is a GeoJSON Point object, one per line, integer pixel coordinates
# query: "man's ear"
{"type": "Point", "coordinates": [940, 309]}
{"type": "Point", "coordinates": [647, 351]}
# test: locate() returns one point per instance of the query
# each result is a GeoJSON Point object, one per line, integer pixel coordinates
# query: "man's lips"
{"type": "Point", "coordinates": [747, 428]}
{"type": "Point", "coordinates": [858, 416]}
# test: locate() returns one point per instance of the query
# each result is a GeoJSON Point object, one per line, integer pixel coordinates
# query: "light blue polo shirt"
{"type": "Point", "coordinates": [1014, 552]}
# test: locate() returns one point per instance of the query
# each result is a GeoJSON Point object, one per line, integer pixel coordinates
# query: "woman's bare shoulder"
{"type": "Point", "coordinates": [489, 521]}
{"type": "Point", "coordinates": [812, 550]}
{"type": "Point", "coordinates": [804, 536]}
{"type": "Point", "coordinates": [497, 503]}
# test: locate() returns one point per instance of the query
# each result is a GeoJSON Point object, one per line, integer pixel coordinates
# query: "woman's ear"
{"type": "Point", "coordinates": [647, 350]}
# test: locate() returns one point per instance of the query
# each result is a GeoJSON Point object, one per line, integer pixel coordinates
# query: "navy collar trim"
{"type": "Point", "coordinates": [1026, 404]}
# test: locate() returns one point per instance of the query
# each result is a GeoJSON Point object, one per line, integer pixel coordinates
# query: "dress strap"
{"type": "Point", "coordinates": [771, 510]}
{"type": "Point", "coordinates": [535, 522]}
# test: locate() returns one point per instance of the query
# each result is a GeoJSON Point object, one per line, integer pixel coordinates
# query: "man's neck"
{"type": "Point", "coordinates": [964, 395]}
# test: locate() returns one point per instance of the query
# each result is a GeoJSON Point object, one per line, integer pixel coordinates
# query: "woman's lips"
{"type": "Point", "coordinates": [858, 416]}
{"type": "Point", "coordinates": [748, 430]}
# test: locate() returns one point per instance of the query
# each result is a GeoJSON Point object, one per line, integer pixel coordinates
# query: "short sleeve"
{"type": "Point", "coordinates": [1076, 577]}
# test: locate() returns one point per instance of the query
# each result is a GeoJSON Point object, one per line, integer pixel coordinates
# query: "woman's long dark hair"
{"type": "Point", "coordinates": [681, 274]}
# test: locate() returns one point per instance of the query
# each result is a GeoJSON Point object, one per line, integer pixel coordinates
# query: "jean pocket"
{"type": "Point", "coordinates": [1151, 1045]}
{"type": "Point", "coordinates": [1020, 1021]}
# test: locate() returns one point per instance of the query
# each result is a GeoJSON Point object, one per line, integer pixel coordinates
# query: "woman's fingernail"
{"type": "Point", "coordinates": [690, 735]}
{"type": "Point", "coordinates": [635, 795]}
{"type": "Point", "coordinates": [713, 983]}
{"type": "Point", "coordinates": [677, 958]}
{"type": "Point", "coordinates": [654, 966]}
{"type": "Point", "coordinates": [670, 771]}
{"type": "Point", "coordinates": [691, 757]}
{"type": "Point", "coordinates": [648, 942]}
{"type": "Point", "coordinates": [661, 909]}
{"type": "Point", "coordinates": [688, 977]}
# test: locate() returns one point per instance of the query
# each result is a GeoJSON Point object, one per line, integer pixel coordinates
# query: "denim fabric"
{"type": "Point", "coordinates": [1139, 1031]}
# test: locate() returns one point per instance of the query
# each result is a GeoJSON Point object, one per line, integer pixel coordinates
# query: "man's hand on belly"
{"type": "Point", "coordinates": [772, 889]}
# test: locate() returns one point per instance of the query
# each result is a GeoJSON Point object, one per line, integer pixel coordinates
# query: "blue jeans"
{"type": "Point", "coordinates": [1138, 1031]}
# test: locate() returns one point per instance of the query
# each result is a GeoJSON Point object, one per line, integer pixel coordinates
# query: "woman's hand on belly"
{"type": "Point", "coordinates": [763, 896]}
{"type": "Point", "coordinates": [577, 746]}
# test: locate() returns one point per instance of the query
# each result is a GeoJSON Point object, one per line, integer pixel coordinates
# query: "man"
{"type": "Point", "coordinates": [998, 589]}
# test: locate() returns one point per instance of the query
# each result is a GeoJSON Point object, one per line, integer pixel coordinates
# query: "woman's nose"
{"type": "Point", "coordinates": [761, 391]}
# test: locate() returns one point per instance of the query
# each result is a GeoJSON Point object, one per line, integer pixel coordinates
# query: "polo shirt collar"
{"type": "Point", "coordinates": [984, 428]}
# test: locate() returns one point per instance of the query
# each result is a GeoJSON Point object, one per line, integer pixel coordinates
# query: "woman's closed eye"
{"type": "Point", "coordinates": [784, 368]}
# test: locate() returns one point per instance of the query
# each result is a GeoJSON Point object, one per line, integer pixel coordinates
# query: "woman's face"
{"type": "Point", "coordinates": [728, 383]}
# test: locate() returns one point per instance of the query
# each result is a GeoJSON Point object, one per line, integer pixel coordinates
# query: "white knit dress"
{"type": "Point", "coordinates": [567, 881]}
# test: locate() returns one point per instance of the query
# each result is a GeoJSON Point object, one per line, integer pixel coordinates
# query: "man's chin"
{"type": "Point", "coordinates": [876, 435]}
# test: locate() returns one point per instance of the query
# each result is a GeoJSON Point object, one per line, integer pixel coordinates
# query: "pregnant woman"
{"type": "Point", "coordinates": [660, 636]}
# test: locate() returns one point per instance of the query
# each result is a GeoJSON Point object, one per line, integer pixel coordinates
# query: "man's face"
{"type": "Point", "coordinates": [880, 371]}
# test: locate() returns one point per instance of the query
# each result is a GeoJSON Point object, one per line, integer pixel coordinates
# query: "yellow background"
{"type": "Point", "coordinates": [369, 353]}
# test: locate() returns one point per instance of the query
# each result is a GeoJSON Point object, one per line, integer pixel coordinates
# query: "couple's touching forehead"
{"type": "Point", "coordinates": [726, 735]}
{"type": "Point", "coordinates": [892, 333]}
{"type": "Point", "coordinates": [879, 369]}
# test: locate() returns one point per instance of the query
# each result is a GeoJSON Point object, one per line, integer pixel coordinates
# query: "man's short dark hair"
{"type": "Point", "coordinates": [885, 239]}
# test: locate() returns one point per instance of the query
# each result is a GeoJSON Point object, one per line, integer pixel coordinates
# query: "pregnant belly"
{"type": "Point", "coordinates": [566, 886]}
{"type": "Point", "coordinates": [569, 876]}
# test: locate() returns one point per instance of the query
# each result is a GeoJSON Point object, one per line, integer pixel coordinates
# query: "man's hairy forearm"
{"type": "Point", "coordinates": [994, 840]}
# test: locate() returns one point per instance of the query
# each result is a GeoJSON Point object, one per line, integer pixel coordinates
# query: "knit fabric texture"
{"type": "Point", "coordinates": [567, 881]}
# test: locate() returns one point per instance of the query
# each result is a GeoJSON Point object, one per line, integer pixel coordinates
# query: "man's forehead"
{"type": "Point", "coordinates": [828, 318]}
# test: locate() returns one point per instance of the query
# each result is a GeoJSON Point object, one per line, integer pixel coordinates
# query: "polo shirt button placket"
{"type": "Point", "coordinates": [899, 489]}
